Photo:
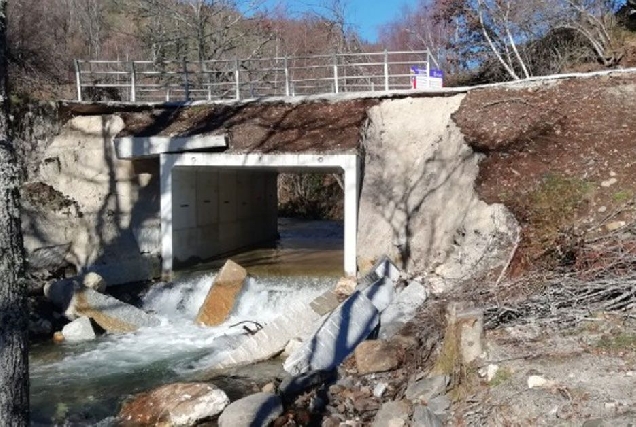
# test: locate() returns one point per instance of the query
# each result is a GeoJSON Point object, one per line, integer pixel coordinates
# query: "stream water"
{"type": "Point", "coordinates": [85, 383]}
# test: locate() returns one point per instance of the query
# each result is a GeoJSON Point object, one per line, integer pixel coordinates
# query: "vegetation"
{"type": "Point", "coordinates": [493, 40]}
{"type": "Point", "coordinates": [473, 41]}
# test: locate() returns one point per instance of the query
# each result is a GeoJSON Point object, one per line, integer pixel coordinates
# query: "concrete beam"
{"type": "Point", "coordinates": [144, 147]}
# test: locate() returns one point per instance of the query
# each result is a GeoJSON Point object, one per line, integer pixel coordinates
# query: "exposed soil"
{"type": "Point", "coordinates": [261, 127]}
{"type": "Point", "coordinates": [570, 143]}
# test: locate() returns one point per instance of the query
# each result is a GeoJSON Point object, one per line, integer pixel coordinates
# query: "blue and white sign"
{"type": "Point", "coordinates": [420, 79]}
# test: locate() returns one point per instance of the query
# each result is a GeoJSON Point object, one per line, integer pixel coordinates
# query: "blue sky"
{"type": "Point", "coordinates": [365, 15]}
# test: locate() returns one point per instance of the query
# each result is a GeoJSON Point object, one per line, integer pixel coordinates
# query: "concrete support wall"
{"type": "Point", "coordinates": [216, 211]}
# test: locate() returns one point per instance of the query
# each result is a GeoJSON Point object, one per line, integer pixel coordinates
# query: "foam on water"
{"type": "Point", "coordinates": [178, 342]}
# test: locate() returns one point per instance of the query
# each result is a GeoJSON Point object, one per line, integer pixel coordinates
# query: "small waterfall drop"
{"type": "Point", "coordinates": [114, 366]}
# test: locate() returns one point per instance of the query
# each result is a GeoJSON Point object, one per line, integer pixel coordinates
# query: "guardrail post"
{"type": "Point", "coordinates": [386, 70]}
{"type": "Point", "coordinates": [133, 82]}
{"type": "Point", "coordinates": [428, 68]}
{"type": "Point", "coordinates": [78, 80]}
{"type": "Point", "coordinates": [287, 89]}
{"type": "Point", "coordinates": [237, 79]}
{"type": "Point", "coordinates": [335, 73]}
{"type": "Point", "coordinates": [186, 80]}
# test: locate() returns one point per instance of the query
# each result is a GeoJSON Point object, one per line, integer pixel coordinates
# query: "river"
{"type": "Point", "coordinates": [85, 383]}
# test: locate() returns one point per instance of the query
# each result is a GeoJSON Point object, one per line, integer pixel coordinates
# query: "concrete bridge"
{"type": "Point", "coordinates": [146, 187]}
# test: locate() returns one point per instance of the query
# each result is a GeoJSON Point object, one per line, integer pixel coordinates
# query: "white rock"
{"type": "Point", "coordinates": [79, 329]}
{"type": "Point", "coordinates": [293, 345]}
{"type": "Point", "coordinates": [94, 281]}
{"type": "Point", "coordinates": [379, 389]}
{"type": "Point", "coordinates": [489, 372]}
{"type": "Point", "coordinates": [346, 286]}
{"type": "Point", "coordinates": [536, 381]}
{"type": "Point", "coordinates": [609, 182]}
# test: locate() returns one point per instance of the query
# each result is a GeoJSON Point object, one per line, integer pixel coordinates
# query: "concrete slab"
{"type": "Point", "coordinates": [342, 331]}
{"type": "Point", "coordinates": [134, 147]}
{"type": "Point", "coordinates": [299, 321]}
{"type": "Point", "coordinates": [111, 314]}
{"type": "Point", "coordinates": [402, 309]}
{"type": "Point", "coordinates": [381, 293]}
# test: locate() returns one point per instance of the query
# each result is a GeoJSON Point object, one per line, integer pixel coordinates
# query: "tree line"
{"type": "Point", "coordinates": [473, 41]}
{"type": "Point", "coordinates": [45, 36]}
{"type": "Point", "coordinates": [482, 41]}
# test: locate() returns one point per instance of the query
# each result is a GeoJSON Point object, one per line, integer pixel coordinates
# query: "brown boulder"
{"type": "Point", "coordinates": [376, 356]}
{"type": "Point", "coordinates": [180, 404]}
{"type": "Point", "coordinates": [222, 296]}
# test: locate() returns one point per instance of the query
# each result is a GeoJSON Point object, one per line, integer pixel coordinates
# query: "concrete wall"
{"type": "Point", "coordinates": [216, 211]}
{"type": "Point", "coordinates": [91, 210]}
{"type": "Point", "coordinates": [418, 201]}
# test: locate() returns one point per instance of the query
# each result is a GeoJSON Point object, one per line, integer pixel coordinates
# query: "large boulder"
{"type": "Point", "coordinates": [223, 294]}
{"type": "Point", "coordinates": [259, 409]}
{"type": "Point", "coordinates": [180, 404]}
{"type": "Point", "coordinates": [376, 356]}
{"type": "Point", "coordinates": [79, 329]}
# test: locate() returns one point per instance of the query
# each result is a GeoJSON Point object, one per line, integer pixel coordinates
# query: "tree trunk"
{"type": "Point", "coordinates": [14, 371]}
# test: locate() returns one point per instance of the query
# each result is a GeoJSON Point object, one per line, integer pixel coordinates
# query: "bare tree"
{"type": "Point", "coordinates": [595, 20]}
{"type": "Point", "coordinates": [14, 372]}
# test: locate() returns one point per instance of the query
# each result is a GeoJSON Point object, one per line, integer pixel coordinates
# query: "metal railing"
{"type": "Point", "coordinates": [247, 78]}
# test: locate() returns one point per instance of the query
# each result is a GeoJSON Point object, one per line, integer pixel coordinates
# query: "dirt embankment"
{"type": "Point", "coordinates": [561, 155]}
{"type": "Point", "coordinates": [261, 127]}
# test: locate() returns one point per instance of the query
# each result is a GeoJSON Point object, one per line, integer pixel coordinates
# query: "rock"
{"type": "Point", "coordinates": [180, 404]}
{"type": "Point", "coordinates": [259, 409]}
{"type": "Point", "coordinates": [61, 293]}
{"type": "Point", "coordinates": [379, 389]}
{"type": "Point", "coordinates": [375, 356]}
{"type": "Point", "coordinates": [94, 281]}
{"type": "Point", "coordinates": [293, 345]}
{"type": "Point", "coordinates": [38, 326]}
{"type": "Point", "coordinates": [439, 405]}
{"type": "Point", "coordinates": [424, 417]}
{"type": "Point", "coordinates": [393, 414]}
{"type": "Point", "coordinates": [381, 293]}
{"type": "Point", "coordinates": [428, 388]}
{"type": "Point", "coordinates": [79, 329]}
{"type": "Point", "coordinates": [609, 182]}
{"type": "Point", "coordinates": [293, 386]}
{"type": "Point", "coordinates": [615, 225]}
{"type": "Point", "coordinates": [402, 309]}
{"type": "Point", "coordinates": [269, 388]}
{"type": "Point", "coordinates": [223, 294]}
{"type": "Point", "coordinates": [365, 404]}
{"type": "Point", "coordinates": [536, 381]}
{"type": "Point", "coordinates": [109, 313]}
{"type": "Point", "coordinates": [337, 337]}
{"type": "Point", "coordinates": [346, 286]}
{"type": "Point", "coordinates": [489, 372]}
{"type": "Point", "coordinates": [58, 337]}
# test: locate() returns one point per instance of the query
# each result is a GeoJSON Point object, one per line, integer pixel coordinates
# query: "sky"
{"type": "Point", "coordinates": [364, 15]}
